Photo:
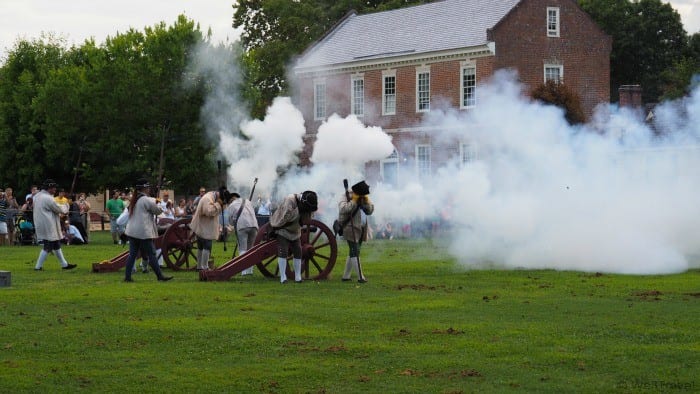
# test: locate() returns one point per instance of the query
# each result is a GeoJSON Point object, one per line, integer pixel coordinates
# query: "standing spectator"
{"type": "Point", "coordinates": [165, 200]}
{"type": "Point", "coordinates": [241, 215]}
{"type": "Point", "coordinates": [141, 230]}
{"type": "Point", "coordinates": [75, 219]}
{"type": "Point", "coordinates": [286, 222]}
{"type": "Point", "coordinates": [205, 224]}
{"type": "Point", "coordinates": [84, 206]}
{"type": "Point", "coordinates": [62, 199]}
{"type": "Point", "coordinates": [264, 210]}
{"type": "Point", "coordinates": [3, 219]}
{"type": "Point", "coordinates": [47, 221]}
{"type": "Point", "coordinates": [27, 210]}
{"type": "Point", "coordinates": [202, 191]}
{"type": "Point", "coordinates": [353, 215]}
{"type": "Point", "coordinates": [189, 207]}
{"type": "Point", "coordinates": [115, 207]}
{"type": "Point", "coordinates": [181, 209]}
{"type": "Point", "coordinates": [32, 192]}
{"type": "Point", "coordinates": [12, 212]}
{"type": "Point", "coordinates": [168, 211]}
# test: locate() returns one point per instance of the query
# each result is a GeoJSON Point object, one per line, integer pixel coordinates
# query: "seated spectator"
{"type": "Point", "coordinates": [71, 235]}
{"type": "Point", "coordinates": [384, 231]}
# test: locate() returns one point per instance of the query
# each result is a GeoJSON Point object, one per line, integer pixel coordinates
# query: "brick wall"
{"type": "Point", "coordinates": [582, 48]}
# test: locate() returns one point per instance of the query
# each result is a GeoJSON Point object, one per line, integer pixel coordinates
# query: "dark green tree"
{"type": "Point", "coordinates": [28, 66]}
{"type": "Point", "coordinates": [648, 38]}
{"type": "Point", "coordinates": [102, 116]}
{"type": "Point", "coordinates": [684, 75]}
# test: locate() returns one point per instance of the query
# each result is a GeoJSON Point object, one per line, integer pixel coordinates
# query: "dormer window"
{"type": "Point", "coordinates": [552, 21]}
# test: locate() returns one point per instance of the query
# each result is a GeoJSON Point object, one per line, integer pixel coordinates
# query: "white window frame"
{"type": "Point", "coordinates": [423, 160]}
{"type": "Point", "coordinates": [392, 159]}
{"type": "Point", "coordinates": [388, 98]}
{"type": "Point", "coordinates": [553, 21]}
{"type": "Point", "coordinates": [560, 70]}
{"type": "Point", "coordinates": [422, 102]}
{"type": "Point", "coordinates": [320, 99]}
{"type": "Point", "coordinates": [357, 95]}
{"type": "Point", "coordinates": [471, 103]}
{"type": "Point", "coordinates": [467, 153]}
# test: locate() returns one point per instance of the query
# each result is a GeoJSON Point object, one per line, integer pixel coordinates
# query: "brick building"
{"type": "Point", "coordinates": [391, 68]}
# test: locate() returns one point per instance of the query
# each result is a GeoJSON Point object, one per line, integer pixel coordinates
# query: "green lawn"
{"type": "Point", "coordinates": [422, 324]}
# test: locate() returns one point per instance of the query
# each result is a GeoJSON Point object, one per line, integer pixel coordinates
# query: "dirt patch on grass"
{"type": "Point", "coordinates": [419, 287]}
{"type": "Point", "coordinates": [648, 295]}
{"type": "Point", "coordinates": [449, 331]}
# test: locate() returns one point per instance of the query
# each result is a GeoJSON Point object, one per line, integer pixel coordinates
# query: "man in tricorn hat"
{"type": "Point", "coordinates": [47, 221]}
{"type": "Point", "coordinates": [286, 222]}
{"type": "Point", "coordinates": [352, 214]}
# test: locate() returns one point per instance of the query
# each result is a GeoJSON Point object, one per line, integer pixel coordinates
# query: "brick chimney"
{"type": "Point", "coordinates": [630, 96]}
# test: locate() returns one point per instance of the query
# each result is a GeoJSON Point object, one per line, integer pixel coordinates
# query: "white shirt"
{"type": "Point", "coordinates": [72, 230]}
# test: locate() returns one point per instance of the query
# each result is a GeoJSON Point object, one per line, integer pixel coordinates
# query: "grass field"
{"type": "Point", "coordinates": [422, 324]}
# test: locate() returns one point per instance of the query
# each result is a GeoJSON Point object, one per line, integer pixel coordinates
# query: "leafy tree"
{"type": "Point", "coordinates": [648, 38]}
{"type": "Point", "coordinates": [102, 116]}
{"type": "Point", "coordinates": [27, 68]}
{"type": "Point", "coordinates": [683, 77]}
{"type": "Point", "coordinates": [276, 30]}
{"type": "Point", "coordinates": [560, 95]}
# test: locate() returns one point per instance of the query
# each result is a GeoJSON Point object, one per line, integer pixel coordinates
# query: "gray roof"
{"type": "Point", "coordinates": [438, 26]}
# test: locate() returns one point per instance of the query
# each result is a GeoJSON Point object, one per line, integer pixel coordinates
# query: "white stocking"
{"type": "Point", "coordinates": [40, 261]}
{"type": "Point", "coordinates": [297, 270]}
{"type": "Point", "coordinates": [348, 269]}
{"type": "Point", "coordinates": [59, 254]}
{"type": "Point", "coordinates": [282, 264]}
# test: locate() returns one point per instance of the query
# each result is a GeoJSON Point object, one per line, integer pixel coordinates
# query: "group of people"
{"type": "Point", "coordinates": [142, 212]}
{"type": "Point", "coordinates": [74, 222]}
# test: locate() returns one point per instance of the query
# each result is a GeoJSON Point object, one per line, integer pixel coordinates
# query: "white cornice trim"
{"type": "Point", "coordinates": [396, 61]}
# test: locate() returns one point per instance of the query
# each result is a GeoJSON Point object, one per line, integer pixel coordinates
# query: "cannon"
{"type": "Point", "coordinates": [319, 252]}
{"type": "Point", "coordinates": [177, 246]}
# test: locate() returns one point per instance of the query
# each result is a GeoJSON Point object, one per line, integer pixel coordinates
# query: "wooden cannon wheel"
{"type": "Point", "coordinates": [179, 246]}
{"type": "Point", "coordinates": [319, 251]}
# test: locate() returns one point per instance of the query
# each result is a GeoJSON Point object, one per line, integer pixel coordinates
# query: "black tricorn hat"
{"type": "Point", "coordinates": [49, 183]}
{"type": "Point", "coordinates": [308, 202]}
{"type": "Point", "coordinates": [360, 188]}
{"type": "Point", "coordinates": [141, 183]}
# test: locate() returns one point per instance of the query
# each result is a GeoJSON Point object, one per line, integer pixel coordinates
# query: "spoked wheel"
{"type": "Point", "coordinates": [318, 247]}
{"type": "Point", "coordinates": [179, 246]}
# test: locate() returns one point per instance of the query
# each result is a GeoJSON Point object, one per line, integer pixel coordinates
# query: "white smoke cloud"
{"type": "Point", "coordinates": [547, 195]}
{"type": "Point", "coordinates": [347, 140]}
{"type": "Point", "coordinates": [613, 196]}
{"type": "Point", "coordinates": [270, 144]}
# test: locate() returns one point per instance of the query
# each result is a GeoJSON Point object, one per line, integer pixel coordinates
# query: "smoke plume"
{"type": "Point", "coordinates": [617, 195]}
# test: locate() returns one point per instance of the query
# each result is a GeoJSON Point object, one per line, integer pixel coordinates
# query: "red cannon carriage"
{"type": "Point", "coordinates": [176, 243]}
{"type": "Point", "coordinates": [319, 252]}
